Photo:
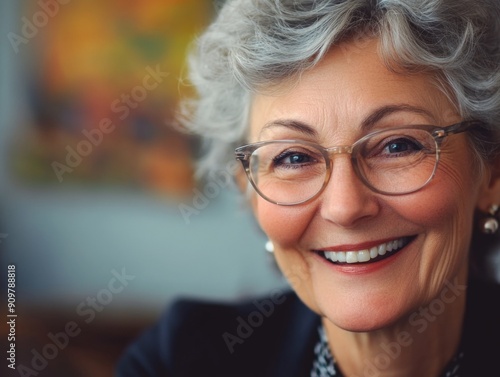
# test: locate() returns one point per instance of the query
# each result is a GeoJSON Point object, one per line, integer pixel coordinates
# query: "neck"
{"type": "Point", "coordinates": [420, 344]}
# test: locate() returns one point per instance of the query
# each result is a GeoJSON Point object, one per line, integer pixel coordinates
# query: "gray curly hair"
{"type": "Point", "coordinates": [253, 44]}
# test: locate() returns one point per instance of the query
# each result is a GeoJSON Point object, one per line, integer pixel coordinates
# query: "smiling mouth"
{"type": "Point", "coordinates": [370, 255]}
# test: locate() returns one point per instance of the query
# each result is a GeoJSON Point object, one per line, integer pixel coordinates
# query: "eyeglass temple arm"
{"type": "Point", "coordinates": [241, 155]}
{"type": "Point", "coordinates": [457, 128]}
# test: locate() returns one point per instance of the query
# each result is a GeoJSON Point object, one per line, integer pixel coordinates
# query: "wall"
{"type": "Point", "coordinates": [66, 240]}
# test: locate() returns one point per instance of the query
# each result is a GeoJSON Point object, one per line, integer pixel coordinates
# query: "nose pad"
{"type": "Point", "coordinates": [346, 199]}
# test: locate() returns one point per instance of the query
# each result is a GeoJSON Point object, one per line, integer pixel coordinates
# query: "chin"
{"type": "Point", "coordinates": [361, 315]}
{"type": "Point", "coordinates": [361, 322]}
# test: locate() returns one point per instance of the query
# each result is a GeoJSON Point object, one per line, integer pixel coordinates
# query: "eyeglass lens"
{"type": "Point", "coordinates": [391, 162]}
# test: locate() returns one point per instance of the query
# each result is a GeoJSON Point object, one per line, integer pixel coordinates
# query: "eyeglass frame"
{"type": "Point", "coordinates": [244, 152]}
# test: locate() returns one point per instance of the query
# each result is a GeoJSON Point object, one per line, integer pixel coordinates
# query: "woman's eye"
{"type": "Point", "coordinates": [293, 159]}
{"type": "Point", "coordinates": [401, 146]}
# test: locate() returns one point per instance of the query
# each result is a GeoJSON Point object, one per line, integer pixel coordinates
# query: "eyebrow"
{"type": "Point", "coordinates": [385, 111]}
{"type": "Point", "coordinates": [366, 124]}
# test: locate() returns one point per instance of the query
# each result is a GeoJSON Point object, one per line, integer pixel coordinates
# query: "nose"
{"type": "Point", "coordinates": [346, 201]}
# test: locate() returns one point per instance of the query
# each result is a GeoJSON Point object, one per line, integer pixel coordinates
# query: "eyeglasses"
{"type": "Point", "coordinates": [392, 161]}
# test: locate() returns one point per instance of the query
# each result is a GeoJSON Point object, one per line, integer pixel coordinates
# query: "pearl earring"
{"type": "Point", "coordinates": [269, 246]}
{"type": "Point", "coordinates": [490, 223]}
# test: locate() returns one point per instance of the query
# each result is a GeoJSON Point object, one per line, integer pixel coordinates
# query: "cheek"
{"type": "Point", "coordinates": [443, 211]}
{"type": "Point", "coordinates": [284, 225]}
{"type": "Point", "coordinates": [448, 201]}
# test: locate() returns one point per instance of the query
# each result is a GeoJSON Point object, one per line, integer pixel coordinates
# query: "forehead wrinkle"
{"type": "Point", "coordinates": [307, 117]}
{"type": "Point", "coordinates": [331, 117]}
{"type": "Point", "coordinates": [295, 125]}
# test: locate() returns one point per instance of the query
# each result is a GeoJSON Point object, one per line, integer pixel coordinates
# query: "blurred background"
{"type": "Point", "coordinates": [100, 212]}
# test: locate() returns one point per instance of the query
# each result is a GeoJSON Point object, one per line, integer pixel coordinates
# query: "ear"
{"type": "Point", "coordinates": [490, 191]}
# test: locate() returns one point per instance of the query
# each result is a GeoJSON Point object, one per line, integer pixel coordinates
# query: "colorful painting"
{"type": "Point", "coordinates": [103, 84]}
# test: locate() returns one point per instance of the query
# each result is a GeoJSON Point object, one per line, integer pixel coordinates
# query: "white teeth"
{"type": "Point", "coordinates": [351, 257]}
{"type": "Point", "coordinates": [364, 255]}
{"type": "Point", "coordinates": [382, 249]}
{"type": "Point", "coordinates": [393, 245]}
{"type": "Point", "coordinates": [332, 255]}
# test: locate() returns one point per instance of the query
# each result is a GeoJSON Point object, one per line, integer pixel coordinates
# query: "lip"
{"type": "Point", "coordinates": [363, 267]}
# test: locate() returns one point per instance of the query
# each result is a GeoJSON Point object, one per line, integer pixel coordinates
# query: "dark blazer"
{"type": "Point", "coordinates": [275, 337]}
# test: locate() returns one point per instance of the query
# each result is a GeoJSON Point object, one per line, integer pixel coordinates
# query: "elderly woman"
{"type": "Point", "coordinates": [369, 135]}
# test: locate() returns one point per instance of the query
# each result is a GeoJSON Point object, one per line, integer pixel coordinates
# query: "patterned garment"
{"type": "Point", "coordinates": [324, 364]}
